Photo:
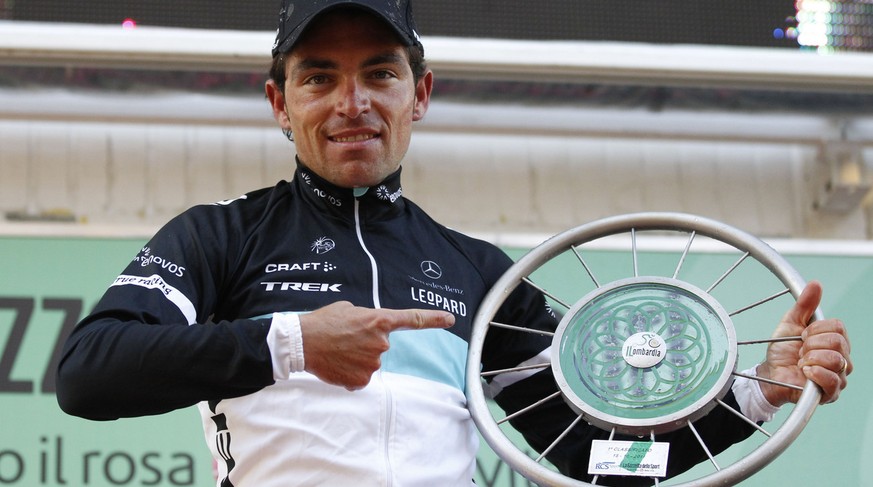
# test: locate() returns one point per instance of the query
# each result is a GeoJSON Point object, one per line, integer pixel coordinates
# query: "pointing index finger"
{"type": "Point", "coordinates": [420, 319]}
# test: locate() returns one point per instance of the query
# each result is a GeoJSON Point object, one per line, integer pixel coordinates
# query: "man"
{"type": "Point", "coordinates": [320, 348]}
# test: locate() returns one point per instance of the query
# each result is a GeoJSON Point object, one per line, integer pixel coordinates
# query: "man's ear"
{"type": "Point", "coordinates": [422, 96]}
{"type": "Point", "coordinates": [277, 103]}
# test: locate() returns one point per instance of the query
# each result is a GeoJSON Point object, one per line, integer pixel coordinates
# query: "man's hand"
{"type": "Point", "coordinates": [822, 356]}
{"type": "Point", "coordinates": [343, 343]}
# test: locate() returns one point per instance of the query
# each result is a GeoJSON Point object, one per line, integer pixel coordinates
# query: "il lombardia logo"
{"type": "Point", "coordinates": [643, 350]}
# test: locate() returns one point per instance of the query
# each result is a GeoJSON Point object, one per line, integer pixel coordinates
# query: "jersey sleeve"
{"type": "Point", "coordinates": [149, 345]}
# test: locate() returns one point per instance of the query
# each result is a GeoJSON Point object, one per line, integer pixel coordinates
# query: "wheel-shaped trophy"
{"type": "Point", "coordinates": [643, 350]}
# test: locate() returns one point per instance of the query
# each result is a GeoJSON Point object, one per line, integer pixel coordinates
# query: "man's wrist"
{"type": "Point", "coordinates": [750, 397]}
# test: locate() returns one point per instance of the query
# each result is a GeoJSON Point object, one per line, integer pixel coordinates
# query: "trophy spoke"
{"type": "Point", "coordinates": [611, 436]}
{"type": "Point", "coordinates": [538, 288]}
{"type": "Point", "coordinates": [703, 445]}
{"type": "Point", "coordinates": [520, 368]}
{"type": "Point", "coordinates": [769, 381]}
{"type": "Point", "coordinates": [771, 340]}
{"type": "Point", "coordinates": [684, 254]}
{"type": "Point", "coordinates": [585, 265]}
{"type": "Point", "coordinates": [521, 329]}
{"type": "Point", "coordinates": [530, 408]}
{"type": "Point", "coordinates": [727, 272]}
{"type": "Point", "coordinates": [559, 438]}
{"type": "Point", "coordinates": [767, 299]}
{"type": "Point", "coordinates": [744, 418]}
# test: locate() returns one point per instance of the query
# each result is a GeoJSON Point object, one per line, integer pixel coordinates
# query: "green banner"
{"type": "Point", "coordinates": [48, 284]}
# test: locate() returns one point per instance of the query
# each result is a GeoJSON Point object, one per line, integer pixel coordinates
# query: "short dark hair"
{"type": "Point", "coordinates": [414, 53]}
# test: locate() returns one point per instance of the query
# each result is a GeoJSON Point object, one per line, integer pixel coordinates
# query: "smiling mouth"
{"type": "Point", "coordinates": [354, 138]}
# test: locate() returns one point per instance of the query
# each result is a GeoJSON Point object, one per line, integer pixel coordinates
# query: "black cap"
{"type": "Point", "coordinates": [295, 15]}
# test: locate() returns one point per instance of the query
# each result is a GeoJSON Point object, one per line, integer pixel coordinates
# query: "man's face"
{"type": "Point", "coordinates": [350, 99]}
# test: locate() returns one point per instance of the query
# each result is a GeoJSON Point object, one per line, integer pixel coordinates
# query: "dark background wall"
{"type": "Point", "coordinates": [728, 22]}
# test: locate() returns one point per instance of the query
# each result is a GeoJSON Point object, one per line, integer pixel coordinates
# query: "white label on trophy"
{"type": "Point", "coordinates": [644, 350]}
{"type": "Point", "coordinates": [638, 458]}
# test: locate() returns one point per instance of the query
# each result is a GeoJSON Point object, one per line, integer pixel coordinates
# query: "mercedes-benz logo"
{"type": "Point", "coordinates": [431, 269]}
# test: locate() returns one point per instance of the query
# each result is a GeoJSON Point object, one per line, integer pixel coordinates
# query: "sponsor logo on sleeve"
{"type": "Point", "coordinates": [147, 258]}
{"type": "Point", "coordinates": [171, 293]}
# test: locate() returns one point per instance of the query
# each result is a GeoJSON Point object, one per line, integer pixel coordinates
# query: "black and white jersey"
{"type": "Point", "coordinates": [187, 323]}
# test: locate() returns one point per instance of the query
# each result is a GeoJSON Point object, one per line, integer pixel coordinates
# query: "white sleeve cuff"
{"type": "Point", "coordinates": [751, 399]}
{"type": "Point", "coordinates": [285, 341]}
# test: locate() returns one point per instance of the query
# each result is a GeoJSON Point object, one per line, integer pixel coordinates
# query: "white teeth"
{"type": "Point", "coordinates": [355, 138]}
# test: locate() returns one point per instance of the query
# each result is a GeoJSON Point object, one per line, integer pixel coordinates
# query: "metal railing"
{"type": "Point", "coordinates": [32, 43]}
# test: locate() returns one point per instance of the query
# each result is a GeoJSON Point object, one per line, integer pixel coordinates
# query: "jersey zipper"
{"type": "Point", "coordinates": [389, 420]}
{"type": "Point", "coordinates": [376, 302]}
{"type": "Point", "coordinates": [389, 400]}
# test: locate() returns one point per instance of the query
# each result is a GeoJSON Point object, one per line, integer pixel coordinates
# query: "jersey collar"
{"type": "Point", "coordinates": [383, 197]}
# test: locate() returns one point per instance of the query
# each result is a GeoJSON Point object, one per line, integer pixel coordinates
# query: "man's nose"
{"type": "Point", "coordinates": [354, 99]}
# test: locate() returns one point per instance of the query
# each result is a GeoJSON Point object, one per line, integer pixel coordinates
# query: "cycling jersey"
{"type": "Point", "coordinates": [188, 323]}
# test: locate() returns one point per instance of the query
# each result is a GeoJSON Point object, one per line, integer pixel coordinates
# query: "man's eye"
{"type": "Point", "coordinates": [316, 80]}
{"type": "Point", "coordinates": [383, 74]}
